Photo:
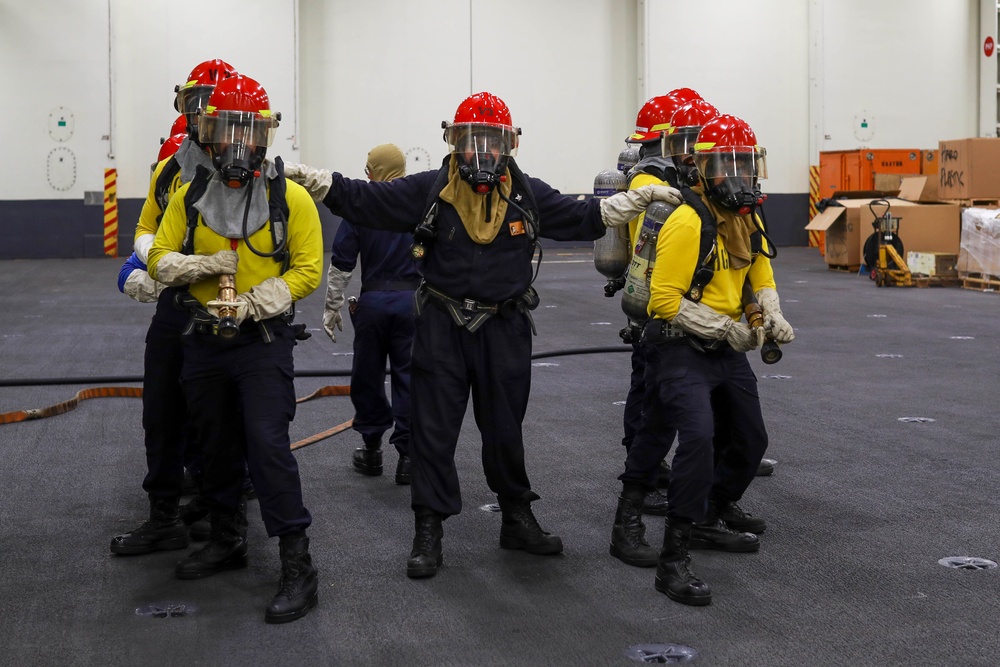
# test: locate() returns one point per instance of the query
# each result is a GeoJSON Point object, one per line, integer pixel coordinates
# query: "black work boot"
{"type": "Point", "coordinates": [628, 536]}
{"type": "Point", "coordinates": [403, 470]}
{"type": "Point", "coordinates": [368, 459]}
{"type": "Point", "coordinates": [299, 581]}
{"type": "Point", "coordinates": [673, 576]}
{"type": "Point", "coordinates": [765, 468]}
{"type": "Point", "coordinates": [425, 557]}
{"type": "Point", "coordinates": [520, 529]}
{"type": "Point", "coordinates": [713, 533]}
{"type": "Point", "coordinates": [654, 503]}
{"type": "Point", "coordinates": [663, 476]}
{"type": "Point", "coordinates": [226, 548]}
{"type": "Point", "coordinates": [194, 515]}
{"type": "Point", "coordinates": [162, 532]}
{"type": "Point", "coordinates": [734, 517]}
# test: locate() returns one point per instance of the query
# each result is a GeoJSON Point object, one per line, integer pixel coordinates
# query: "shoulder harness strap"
{"type": "Point", "coordinates": [427, 229]}
{"type": "Point", "coordinates": [705, 266]}
{"type": "Point", "coordinates": [194, 192]}
{"type": "Point", "coordinates": [161, 190]}
{"type": "Point", "coordinates": [278, 208]}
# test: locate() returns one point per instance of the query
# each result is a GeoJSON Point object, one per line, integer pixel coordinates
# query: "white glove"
{"type": "Point", "coordinates": [316, 181]}
{"type": "Point", "coordinates": [622, 208]}
{"type": "Point", "coordinates": [336, 284]}
{"type": "Point", "coordinates": [176, 268]}
{"type": "Point", "coordinates": [702, 321]}
{"type": "Point", "coordinates": [142, 288]}
{"type": "Point", "coordinates": [774, 322]}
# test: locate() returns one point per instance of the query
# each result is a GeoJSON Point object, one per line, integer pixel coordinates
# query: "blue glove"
{"type": "Point", "coordinates": [130, 265]}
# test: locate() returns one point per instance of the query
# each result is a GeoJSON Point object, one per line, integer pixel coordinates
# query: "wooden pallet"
{"type": "Point", "coordinates": [846, 268]}
{"type": "Point", "coordinates": [921, 280]}
{"type": "Point", "coordinates": [974, 203]}
{"type": "Point", "coordinates": [982, 282]}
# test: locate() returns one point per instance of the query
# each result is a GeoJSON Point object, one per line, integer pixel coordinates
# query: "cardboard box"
{"type": "Point", "coordinates": [969, 169]}
{"type": "Point", "coordinates": [980, 245]}
{"type": "Point", "coordinates": [938, 264]}
{"type": "Point", "coordinates": [919, 188]}
{"type": "Point", "coordinates": [841, 221]}
{"type": "Point", "coordinates": [922, 228]}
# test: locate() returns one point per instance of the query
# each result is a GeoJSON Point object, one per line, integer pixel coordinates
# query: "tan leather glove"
{"type": "Point", "coordinates": [240, 306]}
{"type": "Point", "coordinates": [336, 284]}
{"type": "Point", "coordinates": [316, 181]}
{"type": "Point", "coordinates": [774, 322]}
{"type": "Point", "coordinates": [141, 287]}
{"type": "Point", "coordinates": [176, 268]}
{"type": "Point", "coordinates": [268, 299]}
{"type": "Point", "coordinates": [622, 208]}
{"type": "Point", "coordinates": [702, 321]}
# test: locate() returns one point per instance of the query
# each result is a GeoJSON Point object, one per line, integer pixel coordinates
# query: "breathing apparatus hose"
{"type": "Point", "coordinates": [529, 221]}
{"type": "Point", "coordinates": [246, 237]}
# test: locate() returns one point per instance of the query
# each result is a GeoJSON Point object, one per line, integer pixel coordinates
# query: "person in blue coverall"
{"type": "Point", "coordinates": [383, 322]}
{"type": "Point", "coordinates": [476, 223]}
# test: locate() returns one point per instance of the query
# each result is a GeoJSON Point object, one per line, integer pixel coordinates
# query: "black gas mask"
{"type": "Point", "coordinates": [739, 195]}
{"type": "Point", "coordinates": [731, 180]}
{"type": "Point", "coordinates": [238, 163]}
{"type": "Point", "coordinates": [482, 162]}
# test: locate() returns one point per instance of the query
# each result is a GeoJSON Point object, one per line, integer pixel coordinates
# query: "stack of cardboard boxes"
{"type": "Point", "coordinates": [937, 239]}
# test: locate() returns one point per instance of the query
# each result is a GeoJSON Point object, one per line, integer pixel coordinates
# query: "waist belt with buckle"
{"type": "Point", "coordinates": [657, 331]}
{"type": "Point", "coordinates": [661, 331]}
{"type": "Point", "coordinates": [465, 312]}
{"type": "Point", "coordinates": [472, 314]}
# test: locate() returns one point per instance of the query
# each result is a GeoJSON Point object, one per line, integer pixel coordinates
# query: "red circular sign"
{"type": "Point", "coordinates": [988, 46]}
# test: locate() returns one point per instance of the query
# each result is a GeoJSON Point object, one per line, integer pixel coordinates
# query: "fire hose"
{"type": "Point", "coordinates": [136, 392]}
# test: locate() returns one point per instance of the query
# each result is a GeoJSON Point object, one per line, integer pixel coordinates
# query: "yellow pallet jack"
{"type": "Point", "coordinates": [884, 249]}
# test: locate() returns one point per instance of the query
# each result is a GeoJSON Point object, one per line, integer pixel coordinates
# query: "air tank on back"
{"type": "Point", "coordinates": [627, 158]}
{"type": "Point", "coordinates": [611, 251]}
{"type": "Point", "coordinates": [635, 296]}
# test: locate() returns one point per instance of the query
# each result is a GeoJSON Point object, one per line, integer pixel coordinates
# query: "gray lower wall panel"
{"type": "Point", "coordinates": [56, 229]}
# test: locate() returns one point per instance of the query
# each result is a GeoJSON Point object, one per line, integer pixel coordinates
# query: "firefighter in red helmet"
{"type": "Point", "coordinates": [170, 443]}
{"type": "Point", "coordinates": [696, 349]}
{"type": "Point", "coordinates": [654, 167]}
{"type": "Point", "coordinates": [250, 224]}
{"type": "Point", "coordinates": [476, 224]}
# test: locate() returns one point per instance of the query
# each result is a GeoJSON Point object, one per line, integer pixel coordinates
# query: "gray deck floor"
{"type": "Point", "coordinates": [861, 508]}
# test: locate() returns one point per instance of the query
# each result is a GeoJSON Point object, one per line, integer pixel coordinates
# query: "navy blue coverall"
{"type": "Point", "coordinates": [448, 360]}
{"type": "Point", "coordinates": [383, 328]}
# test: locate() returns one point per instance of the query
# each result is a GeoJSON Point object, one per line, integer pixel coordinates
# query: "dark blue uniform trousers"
{"type": "Point", "coordinates": [242, 391]}
{"type": "Point", "coordinates": [169, 437]}
{"type": "Point", "coordinates": [632, 418]}
{"type": "Point", "coordinates": [495, 362]}
{"type": "Point", "coordinates": [695, 393]}
{"type": "Point", "coordinates": [383, 329]}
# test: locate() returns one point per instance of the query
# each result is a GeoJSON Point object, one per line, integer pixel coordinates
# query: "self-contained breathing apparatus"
{"type": "Point", "coordinates": [202, 320]}
{"type": "Point", "coordinates": [659, 330]}
{"type": "Point", "coordinates": [467, 312]}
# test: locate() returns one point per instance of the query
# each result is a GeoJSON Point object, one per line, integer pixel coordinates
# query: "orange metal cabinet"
{"type": "Point", "coordinates": [856, 169]}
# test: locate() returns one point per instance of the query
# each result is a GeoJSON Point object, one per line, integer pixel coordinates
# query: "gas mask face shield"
{"type": "Point", "coordinates": [482, 152]}
{"type": "Point", "coordinates": [731, 174]}
{"type": "Point", "coordinates": [679, 146]}
{"type": "Point", "coordinates": [237, 142]}
{"type": "Point", "coordinates": [190, 101]}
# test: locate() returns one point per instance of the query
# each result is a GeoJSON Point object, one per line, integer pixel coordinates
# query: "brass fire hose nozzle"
{"type": "Point", "coordinates": [227, 327]}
